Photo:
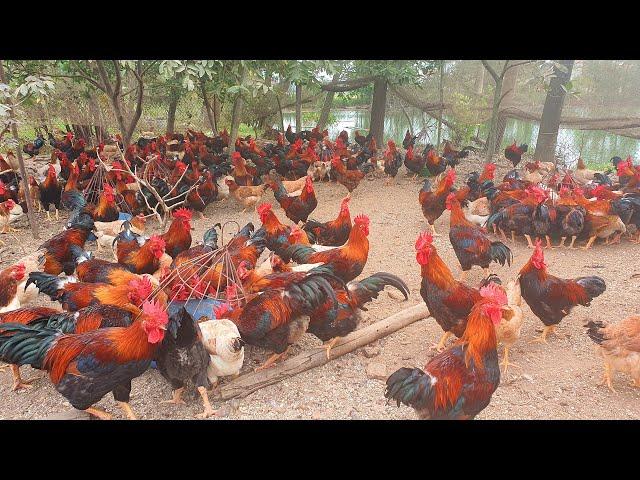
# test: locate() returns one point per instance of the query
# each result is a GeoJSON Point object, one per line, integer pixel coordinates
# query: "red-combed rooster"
{"type": "Point", "coordinates": [392, 161]}
{"type": "Point", "coordinates": [346, 262]}
{"type": "Point", "coordinates": [470, 242]}
{"type": "Point", "coordinates": [350, 179]}
{"type": "Point", "coordinates": [74, 295]}
{"type": "Point", "coordinates": [334, 233]}
{"type": "Point", "coordinates": [10, 278]}
{"type": "Point", "coordinates": [276, 233]}
{"type": "Point", "coordinates": [414, 162]}
{"type": "Point", "coordinates": [85, 367]}
{"type": "Point", "coordinates": [297, 209]}
{"type": "Point", "coordinates": [178, 237]}
{"type": "Point", "coordinates": [551, 298]}
{"type": "Point", "coordinates": [458, 383]}
{"type": "Point", "coordinates": [433, 203]}
{"type": "Point", "coordinates": [448, 300]}
{"type": "Point", "coordinates": [514, 153]}
{"type": "Point", "coordinates": [57, 254]}
{"type": "Point", "coordinates": [50, 192]}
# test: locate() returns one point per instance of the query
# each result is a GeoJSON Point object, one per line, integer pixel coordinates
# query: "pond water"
{"type": "Point", "coordinates": [595, 147]}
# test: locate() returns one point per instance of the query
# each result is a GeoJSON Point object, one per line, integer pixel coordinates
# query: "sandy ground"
{"type": "Point", "coordinates": [555, 381]}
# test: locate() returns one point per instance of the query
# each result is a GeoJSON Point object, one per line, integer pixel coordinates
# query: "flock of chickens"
{"type": "Point", "coordinates": [121, 317]}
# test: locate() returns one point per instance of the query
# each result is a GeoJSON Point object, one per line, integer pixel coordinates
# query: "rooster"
{"type": "Point", "coordinates": [453, 156]}
{"type": "Point", "coordinates": [145, 259]}
{"type": "Point", "coordinates": [409, 140]}
{"type": "Point", "coordinates": [74, 295]}
{"type": "Point", "coordinates": [297, 209]}
{"type": "Point", "coordinates": [276, 233]}
{"type": "Point", "coordinates": [570, 217]}
{"type": "Point", "coordinates": [414, 162]}
{"type": "Point", "coordinates": [347, 261]}
{"type": "Point", "coordinates": [178, 238]}
{"type": "Point", "coordinates": [551, 298]}
{"type": "Point", "coordinates": [458, 383]}
{"type": "Point", "coordinates": [514, 153]}
{"type": "Point", "coordinates": [433, 203]}
{"type": "Point", "coordinates": [57, 256]}
{"type": "Point", "coordinates": [392, 161]}
{"type": "Point", "coordinates": [85, 367]}
{"type": "Point", "coordinates": [471, 244]}
{"type": "Point", "coordinates": [334, 233]}
{"type": "Point", "coordinates": [50, 192]}
{"type": "Point", "coordinates": [350, 179]}
{"type": "Point", "coordinates": [105, 211]}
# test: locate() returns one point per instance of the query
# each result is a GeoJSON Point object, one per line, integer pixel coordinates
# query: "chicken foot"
{"type": "Point", "coordinates": [18, 382]}
{"type": "Point", "coordinates": [97, 412]}
{"type": "Point", "coordinates": [208, 410]}
{"type": "Point", "coordinates": [590, 242]}
{"type": "Point", "coordinates": [529, 243]}
{"type": "Point", "coordinates": [545, 332]}
{"type": "Point", "coordinates": [327, 346]}
{"type": "Point", "coordinates": [607, 378]}
{"type": "Point", "coordinates": [176, 397]}
{"type": "Point", "coordinates": [273, 359]}
{"type": "Point", "coordinates": [505, 361]}
{"type": "Point", "coordinates": [439, 347]}
{"type": "Point", "coordinates": [127, 410]}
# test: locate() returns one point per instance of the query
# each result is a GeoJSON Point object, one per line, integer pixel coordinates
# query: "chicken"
{"type": "Point", "coordinates": [277, 318]}
{"type": "Point", "coordinates": [448, 300]}
{"type": "Point", "coordinates": [333, 233]}
{"type": "Point", "coordinates": [74, 295]}
{"type": "Point", "coordinates": [347, 261]}
{"type": "Point", "coordinates": [57, 254]}
{"type": "Point", "coordinates": [600, 220]}
{"type": "Point", "coordinates": [570, 217]}
{"type": "Point", "coordinates": [137, 225]}
{"type": "Point", "coordinates": [319, 170]}
{"type": "Point", "coordinates": [297, 209]}
{"type": "Point", "coordinates": [209, 244]}
{"type": "Point", "coordinates": [433, 203]}
{"type": "Point", "coordinates": [458, 383]}
{"type": "Point", "coordinates": [471, 244]}
{"type": "Point", "coordinates": [145, 259]}
{"type": "Point", "coordinates": [85, 367]}
{"type": "Point", "coordinates": [551, 298]}
{"type": "Point", "coordinates": [453, 156]}
{"type": "Point", "coordinates": [203, 194]}
{"type": "Point", "coordinates": [514, 153]}
{"type": "Point", "coordinates": [178, 238]}
{"type": "Point", "coordinates": [10, 278]}
{"type": "Point", "coordinates": [478, 211]}
{"type": "Point", "coordinates": [509, 325]}
{"type": "Point", "coordinates": [8, 212]}
{"type": "Point", "coordinates": [409, 140]}
{"type": "Point", "coordinates": [182, 356]}
{"type": "Point", "coordinates": [350, 179]}
{"type": "Point", "coordinates": [50, 192]}
{"type": "Point", "coordinates": [276, 233]}
{"type": "Point", "coordinates": [330, 324]}
{"type": "Point", "coordinates": [414, 162]}
{"type": "Point", "coordinates": [392, 161]}
{"type": "Point", "coordinates": [582, 175]}
{"type": "Point", "coordinates": [225, 347]}
{"type": "Point", "coordinates": [292, 187]}
{"type": "Point", "coordinates": [248, 196]}
{"type": "Point", "coordinates": [619, 346]}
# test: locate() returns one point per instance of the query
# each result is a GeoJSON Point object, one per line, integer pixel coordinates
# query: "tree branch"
{"type": "Point", "coordinates": [491, 71]}
{"type": "Point", "coordinates": [347, 85]}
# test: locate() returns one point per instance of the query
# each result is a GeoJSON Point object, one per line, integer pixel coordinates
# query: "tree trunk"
{"type": "Point", "coordinates": [551, 113]}
{"type": "Point", "coordinates": [441, 92]}
{"type": "Point", "coordinates": [236, 113]}
{"type": "Point", "coordinates": [23, 171]}
{"type": "Point", "coordinates": [326, 107]}
{"type": "Point", "coordinates": [507, 94]}
{"type": "Point", "coordinates": [207, 107]}
{"type": "Point", "coordinates": [298, 108]}
{"type": "Point", "coordinates": [173, 106]}
{"type": "Point", "coordinates": [280, 112]}
{"type": "Point", "coordinates": [491, 137]}
{"type": "Point", "coordinates": [479, 86]}
{"type": "Point", "coordinates": [217, 110]}
{"type": "Point", "coordinates": [378, 105]}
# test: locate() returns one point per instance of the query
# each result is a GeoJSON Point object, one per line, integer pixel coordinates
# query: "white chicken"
{"type": "Point", "coordinates": [508, 330]}
{"type": "Point", "coordinates": [225, 346]}
{"type": "Point", "coordinates": [478, 211]}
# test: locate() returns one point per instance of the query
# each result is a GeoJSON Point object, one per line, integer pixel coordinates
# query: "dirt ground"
{"type": "Point", "coordinates": [555, 381]}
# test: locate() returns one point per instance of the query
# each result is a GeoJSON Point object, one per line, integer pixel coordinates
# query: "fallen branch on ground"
{"type": "Point", "coordinates": [251, 382]}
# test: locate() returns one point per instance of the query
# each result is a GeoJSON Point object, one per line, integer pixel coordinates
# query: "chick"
{"type": "Point", "coordinates": [226, 348]}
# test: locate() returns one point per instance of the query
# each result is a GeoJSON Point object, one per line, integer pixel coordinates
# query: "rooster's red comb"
{"type": "Point", "coordinates": [183, 213]}
{"type": "Point", "coordinates": [493, 292]}
{"type": "Point", "coordinates": [361, 220]}
{"type": "Point", "coordinates": [425, 239]}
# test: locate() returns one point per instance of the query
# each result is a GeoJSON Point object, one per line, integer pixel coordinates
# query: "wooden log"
{"type": "Point", "coordinates": [253, 381]}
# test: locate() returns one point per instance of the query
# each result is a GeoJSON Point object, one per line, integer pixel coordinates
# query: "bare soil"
{"type": "Point", "coordinates": [555, 381]}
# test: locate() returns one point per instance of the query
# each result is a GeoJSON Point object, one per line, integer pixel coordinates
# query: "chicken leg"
{"type": "Point", "coordinates": [573, 240]}
{"type": "Point", "coordinates": [18, 382]}
{"type": "Point", "coordinates": [545, 332]}
{"type": "Point", "coordinates": [273, 359]}
{"type": "Point", "coordinates": [562, 240]}
{"type": "Point", "coordinates": [607, 378]}
{"type": "Point", "coordinates": [590, 242]}
{"type": "Point", "coordinates": [433, 230]}
{"type": "Point", "coordinates": [513, 237]}
{"type": "Point", "coordinates": [505, 361]}
{"type": "Point", "coordinates": [327, 346]}
{"type": "Point", "coordinates": [208, 410]}
{"type": "Point", "coordinates": [439, 347]}
{"type": "Point", "coordinates": [548, 239]}
{"type": "Point", "coordinates": [529, 243]}
{"type": "Point", "coordinates": [176, 397]}
{"type": "Point", "coordinates": [97, 412]}
{"type": "Point", "coordinates": [127, 410]}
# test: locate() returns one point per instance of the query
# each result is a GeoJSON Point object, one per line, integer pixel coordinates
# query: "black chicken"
{"type": "Point", "coordinates": [182, 356]}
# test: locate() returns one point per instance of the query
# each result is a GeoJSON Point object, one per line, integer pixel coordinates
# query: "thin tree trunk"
{"type": "Point", "coordinates": [236, 113]}
{"type": "Point", "coordinates": [440, 88]}
{"type": "Point", "coordinates": [298, 108]}
{"type": "Point", "coordinates": [23, 171]}
{"type": "Point", "coordinates": [551, 113]}
{"type": "Point", "coordinates": [326, 106]}
{"type": "Point", "coordinates": [281, 114]}
{"type": "Point", "coordinates": [491, 137]}
{"type": "Point", "coordinates": [507, 93]}
{"type": "Point", "coordinates": [173, 106]}
{"type": "Point", "coordinates": [217, 110]}
{"type": "Point", "coordinates": [378, 106]}
{"type": "Point", "coordinates": [210, 111]}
